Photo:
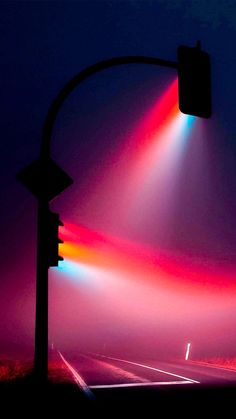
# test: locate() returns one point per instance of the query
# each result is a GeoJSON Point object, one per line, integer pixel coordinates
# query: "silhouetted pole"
{"type": "Point", "coordinates": [41, 318]}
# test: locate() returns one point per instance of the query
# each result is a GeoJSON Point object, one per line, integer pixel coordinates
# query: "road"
{"type": "Point", "coordinates": [117, 380]}
{"type": "Point", "coordinates": [97, 371]}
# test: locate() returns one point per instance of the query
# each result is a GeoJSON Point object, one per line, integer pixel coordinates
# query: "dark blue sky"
{"type": "Point", "coordinates": [44, 43]}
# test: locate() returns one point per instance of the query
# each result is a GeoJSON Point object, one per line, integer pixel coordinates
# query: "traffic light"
{"type": "Point", "coordinates": [53, 239]}
{"type": "Point", "coordinates": [194, 79]}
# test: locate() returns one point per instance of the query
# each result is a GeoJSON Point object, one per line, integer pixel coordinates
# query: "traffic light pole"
{"type": "Point", "coordinates": [41, 318]}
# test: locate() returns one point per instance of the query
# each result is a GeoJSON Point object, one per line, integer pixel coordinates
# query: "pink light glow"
{"type": "Point", "coordinates": [147, 164]}
{"type": "Point", "coordinates": [136, 288]}
{"type": "Point", "coordinates": [98, 249]}
{"type": "Point", "coordinates": [125, 294]}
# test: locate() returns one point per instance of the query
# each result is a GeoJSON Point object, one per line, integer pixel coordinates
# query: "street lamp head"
{"type": "Point", "coordinates": [194, 78]}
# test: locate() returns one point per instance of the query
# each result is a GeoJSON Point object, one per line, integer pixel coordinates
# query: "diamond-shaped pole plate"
{"type": "Point", "coordinates": [44, 179]}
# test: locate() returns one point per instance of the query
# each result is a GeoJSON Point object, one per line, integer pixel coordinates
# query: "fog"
{"type": "Point", "coordinates": [148, 239]}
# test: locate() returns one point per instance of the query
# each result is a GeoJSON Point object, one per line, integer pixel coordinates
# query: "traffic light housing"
{"type": "Point", "coordinates": [53, 239]}
{"type": "Point", "coordinates": [194, 80]}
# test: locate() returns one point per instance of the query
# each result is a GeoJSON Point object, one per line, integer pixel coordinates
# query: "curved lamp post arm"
{"type": "Point", "coordinates": [79, 78]}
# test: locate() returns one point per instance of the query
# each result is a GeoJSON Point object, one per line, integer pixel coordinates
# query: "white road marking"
{"type": "Point", "coordinates": [78, 379]}
{"type": "Point", "coordinates": [149, 384]}
{"type": "Point", "coordinates": [152, 368]}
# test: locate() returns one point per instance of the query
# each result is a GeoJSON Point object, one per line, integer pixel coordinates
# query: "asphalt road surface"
{"type": "Point", "coordinates": [173, 386]}
{"type": "Point", "coordinates": [98, 372]}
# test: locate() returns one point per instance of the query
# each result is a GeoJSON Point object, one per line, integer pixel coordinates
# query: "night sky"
{"type": "Point", "coordinates": [172, 212]}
